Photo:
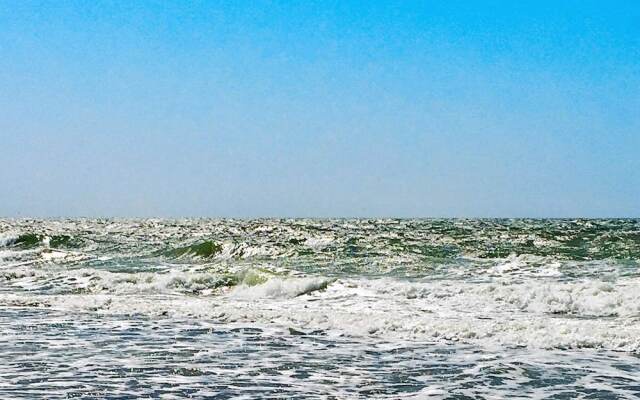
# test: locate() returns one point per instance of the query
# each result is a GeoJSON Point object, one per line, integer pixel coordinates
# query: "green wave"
{"type": "Point", "coordinates": [207, 249]}
{"type": "Point", "coordinates": [31, 240]}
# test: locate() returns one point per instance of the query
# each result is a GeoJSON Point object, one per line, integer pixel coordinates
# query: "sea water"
{"type": "Point", "coordinates": [312, 308]}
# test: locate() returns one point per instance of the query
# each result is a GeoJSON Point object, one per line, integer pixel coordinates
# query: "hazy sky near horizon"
{"type": "Point", "coordinates": [346, 108]}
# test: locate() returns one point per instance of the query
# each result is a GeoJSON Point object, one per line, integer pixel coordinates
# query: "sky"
{"type": "Point", "coordinates": [319, 108]}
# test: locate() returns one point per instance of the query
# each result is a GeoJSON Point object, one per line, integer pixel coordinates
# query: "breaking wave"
{"type": "Point", "coordinates": [531, 283]}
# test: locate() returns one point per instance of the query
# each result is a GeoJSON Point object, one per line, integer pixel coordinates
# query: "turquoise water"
{"type": "Point", "coordinates": [320, 308]}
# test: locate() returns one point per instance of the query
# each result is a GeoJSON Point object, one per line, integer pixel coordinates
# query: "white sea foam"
{"type": "Point", "coordinates": [319, 241]}
{"type": "Point", "coordinates": [7, 238]}
{"type": "Point", "coordinates": [396, 308]}
{"type": "Point", "coordinates": [280, 288]}
{"type": "Point", "coordinates": [547, 314]}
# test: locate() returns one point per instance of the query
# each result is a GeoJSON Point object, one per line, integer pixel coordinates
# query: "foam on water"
{"type": "Point", "coordinates": [8, 238]}
{"type": "Point", "coordinates": [281, 288]}
{"type": "Point", "coordinates": [538, 315]}
{"type": "Point", "coordinates": [346, 308]}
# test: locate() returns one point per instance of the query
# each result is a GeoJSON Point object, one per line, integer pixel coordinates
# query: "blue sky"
{"type": "Point", "coordinates": [245, 109]}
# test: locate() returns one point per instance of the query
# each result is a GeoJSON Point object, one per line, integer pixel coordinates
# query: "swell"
{"type": "Point", "coordinates": [256, 282]}
{"type": "Point", "coordinates": [427, 241]}
{"type": "Point", "coordinates": [538, 283]}
{"type": "Point", "coordinates": [31, 240]}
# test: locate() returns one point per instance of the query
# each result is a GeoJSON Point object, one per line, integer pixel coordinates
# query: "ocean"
{"type": "Point", "coordinates": [320, 308]}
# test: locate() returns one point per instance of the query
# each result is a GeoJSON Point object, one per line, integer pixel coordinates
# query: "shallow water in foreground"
{"type": "Point", "coordinates": [320, 309]}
